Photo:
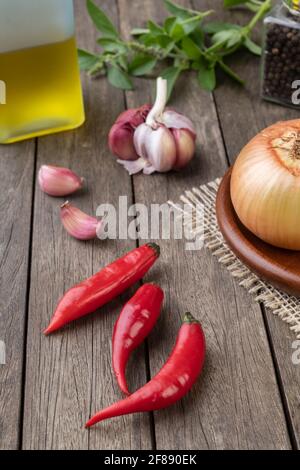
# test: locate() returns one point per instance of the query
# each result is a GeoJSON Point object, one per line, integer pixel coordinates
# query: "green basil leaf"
{"type": "Point", "coordinates": [141, 65]}
{"type": "Point", "coordinates": [154, 28]}
{"type": "Point", "coordinates": [122, 61]}
{"type": "Point", "coordinates": [177, 10]}
{"type": "Point", "coordinates": [235, 39]}
{"type": "Point", "coordinates": [207, 76]}
{"type": "Point", "coordinates": [190, 48]}
{"type": "Point", "coordinates": [174, 29]}
{"type": "Point", "coordinates": [217, 26]}
{"type": "Point", "coordinates": [148, 39]}
{"type": "Point", "coordinates": [198, 37]}
{"type": "Point", "coordinates": [162, 41]}
{"type": "Point", "coordinates": [177, 32]}
{"type": "Point", "coordinates": [165, 42]}
{"type": "Point", "coordinates": [118, 78]}
{"type": "Point", "coordinates": [190, 26]}
{"type": "Point", "coordinates": [252, 46]}
{"type": "Point", "coordinates": [169, 24]}
{"type": "Point", "coordinates": [229, 37]}
{"type": "Point", "coordinates": [171, 74]}
{"type": "Point", "coordinates": [112, 45]}
{"type": "Point", "coordinates": [101, 21]}
{"type": "Point", "coordinates": [86, 60]}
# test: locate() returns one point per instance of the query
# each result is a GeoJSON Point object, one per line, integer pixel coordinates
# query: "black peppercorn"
{"type": "Point", "coordinates": [281, 62]}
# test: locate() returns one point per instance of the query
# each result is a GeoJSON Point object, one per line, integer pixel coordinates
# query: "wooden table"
{"type": "Point", "coordinates": [248, 396]}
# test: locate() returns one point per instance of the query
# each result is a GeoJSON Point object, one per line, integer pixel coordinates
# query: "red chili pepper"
{"type": "Point", "coordinates": [104, 286]}
{"type": "Point", "coordinates": [172, 382]}
{"type": "Point", "coordinates": [134, 324]}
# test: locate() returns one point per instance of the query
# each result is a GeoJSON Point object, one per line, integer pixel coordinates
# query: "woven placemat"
{"type": "Point", "coordinates": [283, 305]}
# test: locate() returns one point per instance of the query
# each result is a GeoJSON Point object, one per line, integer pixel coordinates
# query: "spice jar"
{"type": "Point", "coordinates": [281, 56]}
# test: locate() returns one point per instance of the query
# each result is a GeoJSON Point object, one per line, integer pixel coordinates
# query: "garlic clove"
{"type": "Point", "coordinates": [141, 137]}
{"type": "Point", "coordinates": [58, 181]}
{"type": "Point", "coordinates": [185, 147]}
{"type": "Point", "coordinates": [120, 139]}
{"type": "Point", "coordinates": [161, 149]}
{"type": "Point", "coordinates": [78, 224]}
{"type": "Point", "coordinates": [121, 142]}
{"type": "Point", "coordinates": [174, 120]}
{"type": "Point", "coordinates": [157, 146]}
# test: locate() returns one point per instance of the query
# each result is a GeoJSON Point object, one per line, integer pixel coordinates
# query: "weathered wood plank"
{"type": "Point", "coordinates": [236, 403]}
{"type": "Point", "coordinates": [242, 114]}
{"type": "Point", "coordinates": [69, 376]}
{"type": "Point", "coordinates": [16, 169]}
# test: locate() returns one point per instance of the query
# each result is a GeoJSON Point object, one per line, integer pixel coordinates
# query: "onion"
{"type": "Point", "coordinates": [265, 185]}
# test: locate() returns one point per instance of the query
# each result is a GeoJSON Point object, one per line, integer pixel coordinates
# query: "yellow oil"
{"type": "Point", "coordinates": [43, 91]}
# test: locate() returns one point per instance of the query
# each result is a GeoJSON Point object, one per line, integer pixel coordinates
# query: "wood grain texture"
{"type": "Point", "coordinates": [236, 403]}
{"type": "Point", "coordinates": [242, 114]}
{"type": "Point", "coordinates": [69, 375]}
{"type": "Point", "coordinates": [16, 170]}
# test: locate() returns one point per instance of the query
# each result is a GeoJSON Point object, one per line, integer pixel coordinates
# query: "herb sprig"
{"type": "Point", "coordinates": [185, 40]}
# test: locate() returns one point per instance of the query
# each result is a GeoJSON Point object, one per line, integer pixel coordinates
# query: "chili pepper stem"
{"type": "Point", "coordinates": [155, 247]}
{"type": "Point", "coordinates": [188, 318]}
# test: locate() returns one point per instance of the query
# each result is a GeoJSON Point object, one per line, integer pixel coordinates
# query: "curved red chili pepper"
{"type": "Point", "coordinates": [104, 286]}
{"type": "Point", "coordinates": [172, 382]}
{"type": "Point", "coordinates": [134, 324]}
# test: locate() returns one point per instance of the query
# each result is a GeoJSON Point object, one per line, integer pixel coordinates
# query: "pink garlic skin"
{"type": "Point", "coordinates": [78, 224]}
{"type": "Point", "coordinates": [58, 182]}
{"type": "Point", "coordinates": [120, 139]}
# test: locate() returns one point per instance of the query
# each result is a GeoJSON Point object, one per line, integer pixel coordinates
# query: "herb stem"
{"type": "Point", "coordinates": [256, 2]}
{"type": "Point", "coordinates": [153, 51]}
{"type": "Point", "coordinates": [265, 6]}
{"type": "Point", "coordinates": [230, 72]}
{"type": "Point", "coordinates": [199, 17]}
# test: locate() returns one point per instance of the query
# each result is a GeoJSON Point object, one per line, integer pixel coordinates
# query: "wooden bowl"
{"type": "Point", "coordinates": [278, 266]}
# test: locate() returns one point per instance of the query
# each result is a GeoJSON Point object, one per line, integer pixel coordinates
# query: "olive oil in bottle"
{"type": "Point", "coordinates": [39, 69]}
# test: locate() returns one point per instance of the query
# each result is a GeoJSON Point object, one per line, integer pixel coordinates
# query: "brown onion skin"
{"type": "Point", "coordinates": [265, 192]}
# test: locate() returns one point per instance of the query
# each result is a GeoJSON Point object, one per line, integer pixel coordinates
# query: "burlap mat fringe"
{"type": "Point", "coordinates": [283, 305]}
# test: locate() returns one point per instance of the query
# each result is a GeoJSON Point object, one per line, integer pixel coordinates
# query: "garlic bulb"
{"type": "Point", "coordinates": [58, 181]}
{"type": "Point", "coordinates": [265, 185]}
{"type": "Point", "coordinates": [163, 140]}
{"type": "Point", "coordinates": [78, 224]}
